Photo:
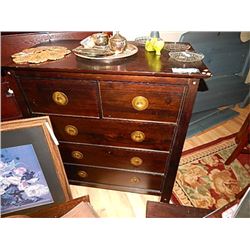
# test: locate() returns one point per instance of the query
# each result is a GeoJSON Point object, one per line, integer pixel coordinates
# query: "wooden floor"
{"type": "Point", "coordinates": [113, 204]}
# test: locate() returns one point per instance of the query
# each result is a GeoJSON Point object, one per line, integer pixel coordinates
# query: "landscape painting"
{"type": "Point", "coordinates": [22, 181]}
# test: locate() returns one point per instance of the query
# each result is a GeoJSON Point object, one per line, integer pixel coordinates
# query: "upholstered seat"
{"type": "Point", "coordinates": [227, 57]}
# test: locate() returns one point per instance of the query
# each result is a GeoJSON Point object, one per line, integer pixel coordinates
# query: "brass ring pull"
{"type": "Point", "coordinates": [140, 103]}
{"type": "Point", "coordinates": [60, 98]}
{"type": "Point", "coordinates": [71, 130]}
{"type": "Point", "coordinates": [136, 161]}
{"type": "Point", "coordinates": [82, 174]}
{"type": "Point", "coordinates": [135, 180]}
{"type": "Point", "coordinates": [77, 155]}
{"type": "Point", "coordinates": [137, 136]}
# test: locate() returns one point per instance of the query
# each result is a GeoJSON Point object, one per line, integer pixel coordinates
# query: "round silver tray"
{"type": "Point", "coordinates": [129, 51]}
{"type": "Point", "coordinates": [186, 56]}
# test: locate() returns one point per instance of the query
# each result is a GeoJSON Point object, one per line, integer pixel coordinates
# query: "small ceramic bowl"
{"type": "Point", "coordinates": [100, 39]}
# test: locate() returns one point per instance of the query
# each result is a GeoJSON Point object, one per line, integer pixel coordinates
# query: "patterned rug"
{"type": "Point", "coordinates": [204, 181]}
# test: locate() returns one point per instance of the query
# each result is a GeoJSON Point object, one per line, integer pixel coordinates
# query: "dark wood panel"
{"type": "Point", "coordinates": [114, 133]}
{"type": "Point", "coordinates": [113, 177]}
{"type": "Point", "coordinates": [96, 75]}
{"type": "Point", "coordinates": [139, 64]}
{"type": "Point", "coordinates": [113, 157]}
{"type": "Point", "coordinates": [179, 139]}
{"type": "Point", "coordinates": [9, 107]}
{"type": "Point", "coordinates": [163, 210]}
{"type": "Point", "coordinates": [82, 96]}
{"type": "Point", "coordinates": [13, 42]}
{"type": "Point", "coordinates": [73, 35]}
{"type": "Point", "coordinates": [163, 100]}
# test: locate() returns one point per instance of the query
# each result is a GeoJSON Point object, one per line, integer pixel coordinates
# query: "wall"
{"type": "Point", "coordinates": [169, 36]}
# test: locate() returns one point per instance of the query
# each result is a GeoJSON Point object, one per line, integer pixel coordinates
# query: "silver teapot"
{"type": "Point", "coordinates": [117, 43]}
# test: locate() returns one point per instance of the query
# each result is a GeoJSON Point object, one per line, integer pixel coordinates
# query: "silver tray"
{"type": "Point", "coordinates": [186, 56]}
{"type": "Point", "coordinates": [129, 51]}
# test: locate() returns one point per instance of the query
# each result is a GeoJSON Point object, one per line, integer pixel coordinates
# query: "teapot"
{"type": "Point", "coordinates": [117, 43]}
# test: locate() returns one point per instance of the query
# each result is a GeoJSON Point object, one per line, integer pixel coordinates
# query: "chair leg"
{"type": "Point", "coordinates": [242, 138]}
{"type": "Point", "coordinates": [242, 144]}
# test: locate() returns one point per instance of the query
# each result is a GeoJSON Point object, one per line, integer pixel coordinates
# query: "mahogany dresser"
{"type": "Point", "coordinates": [120, 125]}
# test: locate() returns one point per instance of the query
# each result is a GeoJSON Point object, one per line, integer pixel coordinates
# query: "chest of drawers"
{"type": "Point", "coordinates": [120, 125]}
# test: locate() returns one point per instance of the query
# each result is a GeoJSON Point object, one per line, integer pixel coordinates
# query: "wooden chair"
{"type": "Point", "coordinates": [165, 210]}
{"type": "Point", "coordinates": [242, 139]}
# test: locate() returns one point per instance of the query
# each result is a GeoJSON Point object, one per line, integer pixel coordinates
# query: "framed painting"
{"type": "Point", "coordinates": [32, 174]}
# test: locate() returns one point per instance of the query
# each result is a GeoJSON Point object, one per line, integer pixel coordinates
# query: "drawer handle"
{"type": "Point", "coordinates": [137, 136]}
{"type": "Point", "coordinates": [71, 130]}
{"type": "Point", "coordinates": [77, 155]}
{"type": "Point", "coordinates": [9, 92]}
{"type": "Point", "coordinates": [60, 98]}
{"type": "Point", "coordinates": [136, 161]}
{"type": "Point", "coordinates": [140, 103]}
{"type": "Point", "coordinates": [82, 174]}
{"type": "Point", "coordinates": [135, 180]}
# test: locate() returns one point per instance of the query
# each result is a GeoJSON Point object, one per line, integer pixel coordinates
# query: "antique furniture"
{"type": "Point", "coordinates": [228, 58]}
{"type": "Point", "coordinates": [242, 138]}
{"type": "Point", "coordinates": [165, 210]}
{"type": "Point", "coordinates": [9, 107]}
{"type": "Point", "coordinates": [121, 125]}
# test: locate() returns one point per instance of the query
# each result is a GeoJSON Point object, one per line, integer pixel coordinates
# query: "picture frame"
{"type": "Point", "coordinates": [32, 175]}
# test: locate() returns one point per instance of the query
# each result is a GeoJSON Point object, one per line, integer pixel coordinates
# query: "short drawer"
{"type": "Point", "coordinates": [114, 133]}
{"type": "Point", "coordinates": [142, 101]}
{"type": "Point", "coordinates": [61, 96]}
{"type": "Point", "coordinates": [113, 177]}
{"type": "Point", "coordinates": [113, 157]}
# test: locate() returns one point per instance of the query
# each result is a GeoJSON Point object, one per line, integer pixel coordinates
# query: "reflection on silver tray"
{"type": "Point", "coordinates": [93, 52]}
{"type": "Point", "coordinates": [176, 47]}
{"type": "Point", "coordinates": [186, 56]}
{"type": "Point", "coordinates": [129, 51]}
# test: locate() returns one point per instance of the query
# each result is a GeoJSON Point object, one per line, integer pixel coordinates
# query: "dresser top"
{"type": "Point", "coordinates": [142, 63]}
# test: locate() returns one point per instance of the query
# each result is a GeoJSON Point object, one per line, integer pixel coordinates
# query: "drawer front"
{"type": "Point", "coordinates": [113, 157]}
{"type": "Point", "coordinates": [113, 133]}
{"type": "Point", "coordinates": [142, 101]}
{"type": "Point", "coordinates": [60, 96]}
{"type": "Point", "coordinates": [9, 107]}
{"type": "Point", "coordinates": [113, 177]}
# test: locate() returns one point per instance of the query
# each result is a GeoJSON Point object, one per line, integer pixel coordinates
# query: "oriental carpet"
{"type": "Point", "coordinates": [204, 181]}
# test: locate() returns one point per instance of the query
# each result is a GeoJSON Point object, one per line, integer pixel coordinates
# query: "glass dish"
{"type": "Point", "coordinates": [176, 46]}
{"type": "Point", "coordinates": [186, 56]}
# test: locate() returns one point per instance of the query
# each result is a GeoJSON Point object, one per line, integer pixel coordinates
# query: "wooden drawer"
{"type": "Point", "coordinates": [113, 133]}
{"type": "Point", "coordinates": [142, 101]}
{"type": "Point", "coordinates": [60, 96]}
{"type": "Point", "coordinates": [113, 157]}
{"type": "Point", "coordinates": [9, 107]}
{"type": "Point", "coordinates": [113, 177]}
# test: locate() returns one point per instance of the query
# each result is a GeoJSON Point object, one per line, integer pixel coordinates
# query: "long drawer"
{"type": "Point", "coordinates": [114, 133]}
{"type": "Point", "coordinates": [142, 101]}
{"type": "Point", "coordinates": [114, 157]}
{"type": "Point", "coordinates": [61, 96]}
{"type": "Point", "coordinates": [113, 177]}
